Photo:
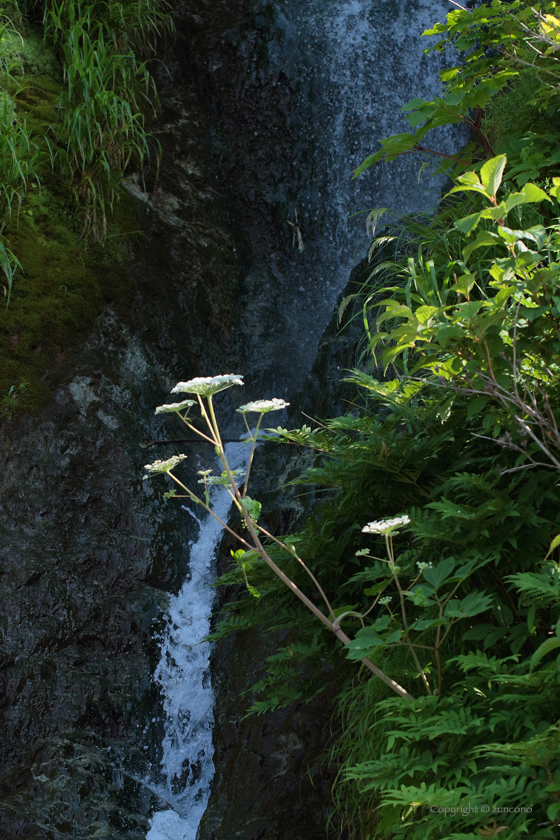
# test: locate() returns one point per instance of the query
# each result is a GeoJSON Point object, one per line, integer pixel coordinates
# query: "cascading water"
{"type": "Point", "coordinates": [183, 674]}
{"type": "Point", "coordinates": [351, 64]}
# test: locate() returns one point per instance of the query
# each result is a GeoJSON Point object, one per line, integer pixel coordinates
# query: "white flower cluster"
{"type": "Point", "coordinates": [206, 386]}
{"type": "Point", "coordinates": [262, 406]}
{"type": "Point", "coordinates": [386, 526]}
{"type": "Point", "coordinates": [386, 600]}
{"type": "Point", "coordinates": [169, 407]}
{"type": "Point", "coordinates": [164, 466]}
{"type": "Point", "coordinates": [422, 566]}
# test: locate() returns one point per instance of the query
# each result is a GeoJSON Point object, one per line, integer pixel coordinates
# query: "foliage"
{"type": "Point", "coordinates": [102, 124]}
{"type": "Point", "coordinates": [489, 327]}
{"type": "Point", "coordinates": [503, 91]}
{"type": "Point", "coordinates": [18, 159]}
{"type": "Point", "coordinates": [460, 605]}
{"type": "Point", "coordinates": [103, 108]}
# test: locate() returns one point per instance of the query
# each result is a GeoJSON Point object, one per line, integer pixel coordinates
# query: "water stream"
{"type": "Point", "coordinates": [183, 674]}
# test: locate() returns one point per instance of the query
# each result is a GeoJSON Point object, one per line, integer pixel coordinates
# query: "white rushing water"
{"type": "Point", "coordinates": [184, 676]}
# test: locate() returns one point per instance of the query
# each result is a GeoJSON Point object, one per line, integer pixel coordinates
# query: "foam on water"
{"type": "Point", "coordinates": [183, 674]}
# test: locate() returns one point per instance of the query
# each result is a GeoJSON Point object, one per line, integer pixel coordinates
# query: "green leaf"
{"type": "Point", "coordinates": [420, 596]}
{"type": "Point", "coordinates": [491, 174]}
{"type": "Point", "coordinates": [464, 284]}
{"type": "Point", "coordinates": [484, 237]}
{"type": "Point", "coordinates": [550, 644]}
{"type": "Point", "coordinates": [252, 507]}
{"type": "Point", "coordinates": [480, 631]}
{"type": "Point", "coordinates": [528, 195]}
{"type": "Point", "coordinates": [468, 223]}
{"type": "Point", "coordinates": [436, 575]}
{"type": "Point", "coordinates": [473, 604]}
{"type": "Point", "coordinates": [554, 544]}
{"type": "Point", "coordinates": [475, 406]}
{"type": "Point", "coordinates": [369, 161]}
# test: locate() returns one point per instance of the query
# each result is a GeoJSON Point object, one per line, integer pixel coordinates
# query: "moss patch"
{"type": "Point", "coordinates": [59, 296]}
{"type": "Point", "coordinates": [28, 54]}
{"type": "Point", "coordinates": [63, 288]}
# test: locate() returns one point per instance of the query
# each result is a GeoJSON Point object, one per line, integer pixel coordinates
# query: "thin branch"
{"type": "Point", "coordinates": [298, 558]}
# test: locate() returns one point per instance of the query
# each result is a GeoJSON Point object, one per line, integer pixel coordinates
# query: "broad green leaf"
{"type": "Point", "coordinates": [377, 588]}
{"type": "Point", "coordinates": [436, 575]}
{"type": "Point", "coordinates": [418, 102]}
{"type": "Point", "coordinates": [491, 174]}
{"type": "Point", "coordinates": [484, 237]}
{"type": "Point", "coordinates": [470, 179]}
{"type": "Point", "coordinates": [381, 623]}
{"type": "Point", "coordinates": [427, 623]}
{"type": "Point", "coordinates": [369, 161]}
{"type": "Point", "coordinates": [479, 631]}
{"type": "Point", "coordinates": [420, 596]}
{"type": "Point", "coordinates": [476, 406]}
{"type": "Point", "coordinates": [550, 644]}
{"type": "Point", "coordinates": [424, 313]}
{"type": "Point", "coordinates": [468, 223]}
{"type": "Point", "coordinates": [529, 194]}
{"type": "Point", "coordinates": [473, 604]}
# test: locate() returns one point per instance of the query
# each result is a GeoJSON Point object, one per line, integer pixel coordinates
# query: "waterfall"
{"type": "Point", "coordinates": [184, 677]}
{"type": "Point", "coordinates": [351, 65]}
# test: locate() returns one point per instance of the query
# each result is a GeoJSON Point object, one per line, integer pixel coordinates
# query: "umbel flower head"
{"type": "Point", "coordinates": [386, 526]}
{"type": "Point", "coordinates": [262, 406]}
{"type": "Point", "coordinates": [164, 466]}
{"type": "Point", "coordinates": [207, 386]}
{"type": "Point", "coordinates": [169, 407]}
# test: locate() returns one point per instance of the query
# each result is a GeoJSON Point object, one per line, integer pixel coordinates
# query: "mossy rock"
{"type": "Point", "coordinates": [63, 286]}
{"type": "Point", "coordinates": [28, 54]}
{"type": "Point", "coordinates": [61, 292]}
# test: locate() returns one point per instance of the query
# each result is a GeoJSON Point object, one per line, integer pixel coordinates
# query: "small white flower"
{"type": "Point", "coordinates": [262, 406]}
{"type": "Point", "coordinates": [206, 386]}
{"type": "Point", "coordinates": [164, 466]}
{"type": "Point", "coordinates": [386, 526]}
{"type": "Point", "coordinates": [422, 566]}
{"type": "Point", "coordinates": [169, 407]}
{"type": "Point", "coordinates": [386, 600]}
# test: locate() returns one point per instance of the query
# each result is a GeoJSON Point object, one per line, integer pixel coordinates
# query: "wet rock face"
{"type": "Point", "coordinates": [270, 783]}
{"type": "Point", "coordinates": [86, 553]}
